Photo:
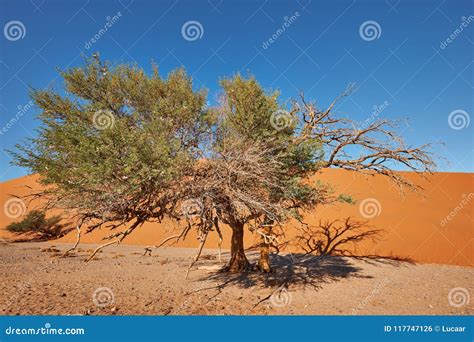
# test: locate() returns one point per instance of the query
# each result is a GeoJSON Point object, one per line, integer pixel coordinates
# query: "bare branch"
{"type": "Point", "coordinates": [372, 148]}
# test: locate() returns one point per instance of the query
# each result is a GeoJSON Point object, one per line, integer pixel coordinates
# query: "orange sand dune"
{"type": "Point", "coordinates": [436, 228]}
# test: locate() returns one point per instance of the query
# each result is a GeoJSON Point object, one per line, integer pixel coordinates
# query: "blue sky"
{"type": "Point", "coordinates": [413, 61]}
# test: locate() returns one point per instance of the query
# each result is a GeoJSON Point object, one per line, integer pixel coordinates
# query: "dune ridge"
{"type": "Point", "coordinates": [433, 227]}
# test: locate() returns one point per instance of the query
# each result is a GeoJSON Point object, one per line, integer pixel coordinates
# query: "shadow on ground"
{"type": "Point", "coordinates": [292, 270]}
{"type": "Point", "coordinates": [297, 271]}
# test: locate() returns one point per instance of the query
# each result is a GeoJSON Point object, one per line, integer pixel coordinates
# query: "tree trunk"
{"type": "Point", "coordinates": [238, 261]}
{"type": "Point", "coordinates": [264, 261]}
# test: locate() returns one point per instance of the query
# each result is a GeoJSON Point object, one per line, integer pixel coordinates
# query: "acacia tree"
{"type": "Point", "coordinates": [254, 174]}
{"type": "Point", "coordinates": [289, 146]}
{"type": "Point", "coordinates": [122, 148]}
{"type": "Point", "coordinates": [113, 146]}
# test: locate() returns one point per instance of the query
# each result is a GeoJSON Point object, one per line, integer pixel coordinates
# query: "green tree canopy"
{"type": "Point", "coordinates": [122, 147]}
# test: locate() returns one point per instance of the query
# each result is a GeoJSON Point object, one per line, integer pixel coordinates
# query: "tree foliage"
{"type": "Point", "coordinates": [115, 142]}
{"type": "Point", "coordinates": [121, 147]}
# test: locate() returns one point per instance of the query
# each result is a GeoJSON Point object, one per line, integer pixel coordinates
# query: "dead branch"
{"type": "Point", "coordinates": [119, 238]}
{"type": "Point", "coordinates": [78, 239]}
{"type": "Point", "coordinates": [219, 243]}
{"type": "Point", "coordinates": [117, 241]}
{"type": "Point", "coordinates": [198, 254]}
{"type": "Point", "coordinates": [377, 140]}
{"type": "Point", "coordinates": [176, 237]}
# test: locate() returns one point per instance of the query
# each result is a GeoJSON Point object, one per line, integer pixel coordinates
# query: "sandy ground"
{"type": "Point", "coordinates": [435, 226]}
{"type": "Point", "coordinates": [120, 281]}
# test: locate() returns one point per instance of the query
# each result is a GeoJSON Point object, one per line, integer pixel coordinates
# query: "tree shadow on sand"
{"type": "Point", "coordinates": [292, 269]}
{"type": "Point", "coordinates": [328, 246]}
{"type": "Point", "coordinates": [329, 254]}
{"type": "Point", "coordinates": [297, 271]}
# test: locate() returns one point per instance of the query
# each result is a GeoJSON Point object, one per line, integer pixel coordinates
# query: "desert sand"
{"type": "Point", "coordinates": [121, 281]}
{"type": "Point", "coordinates": [435, 226]}
{"type": "Point", "coordinates": [434, 231]}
